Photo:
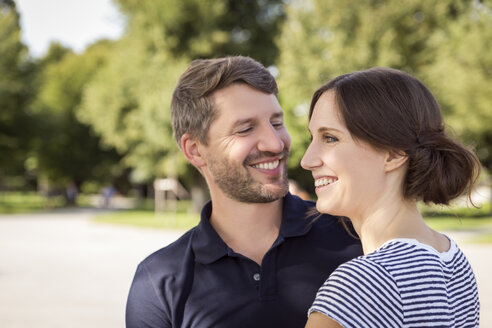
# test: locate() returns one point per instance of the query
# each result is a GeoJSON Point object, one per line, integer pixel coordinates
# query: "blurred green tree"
{"type": "Point", "coordinates": [324, 38]}
{"type": "Point", "coordinates": [461, 76]}
{"type": "Point", "coordinates": [16, 72]}
{"type": "Point", "coordinates": [65, 150]}
{"type": "Point", "coordinates": [207, 28]}
{"type": "Point", "coordinates": [127, 104]}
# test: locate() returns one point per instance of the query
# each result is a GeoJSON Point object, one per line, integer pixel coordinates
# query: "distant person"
{"type": "Point", "coordinates": [71, 193]}
{"type": "Point", "coordinates": [255, 259]}
{"type": "Point", "coordinates": [108, 193]}
{"type": "Point", "coordinates": [379, 146]}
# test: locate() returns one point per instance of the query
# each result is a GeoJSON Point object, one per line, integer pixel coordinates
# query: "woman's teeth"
{"type": "Point", "coordinates": [324, 182]}
{"type": "Point", "coordinates": [267, 165]}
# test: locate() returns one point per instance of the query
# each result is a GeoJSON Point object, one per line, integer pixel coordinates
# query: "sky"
{"type": "Point", "coordinates": [73, 23]}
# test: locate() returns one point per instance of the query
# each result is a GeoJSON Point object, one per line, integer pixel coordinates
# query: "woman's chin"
{"type": "Point", "coordinates": [325, 208]}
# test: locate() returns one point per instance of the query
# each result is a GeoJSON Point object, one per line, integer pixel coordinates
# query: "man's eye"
{"type": "Point", "coordinates": [245, 130]}
{"type": "Point", "coordinates": [278, 124]}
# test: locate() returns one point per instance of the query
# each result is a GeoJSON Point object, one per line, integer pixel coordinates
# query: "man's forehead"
{"type": "Point", "coordinates": [238, 98]}
{"type": "Point", "coordinates": [235, 90]}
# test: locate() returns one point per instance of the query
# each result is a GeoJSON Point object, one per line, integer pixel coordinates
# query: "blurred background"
{"type": "Point", "coordinates": [87, 118]}
{"type": "Point", "coordinates": [85, 133]}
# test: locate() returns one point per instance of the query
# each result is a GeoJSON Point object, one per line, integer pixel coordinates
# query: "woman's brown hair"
{"type": "Point", "coordinates": [392, 110]}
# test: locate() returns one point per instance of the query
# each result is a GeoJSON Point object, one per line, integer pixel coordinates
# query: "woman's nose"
{"type": "Point", "coordinates": [310, 160]}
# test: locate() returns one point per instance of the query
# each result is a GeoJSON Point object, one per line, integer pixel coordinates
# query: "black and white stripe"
{"type": "Point", "coordinates": [402, 284]}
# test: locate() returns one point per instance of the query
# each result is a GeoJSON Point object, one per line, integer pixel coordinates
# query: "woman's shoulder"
{"type": "Point", "coordinates": [382, 266]}
{"type": "Point", "coordinates": [363, 272]}
{"type": "Point", "coordinates": [360, 286]}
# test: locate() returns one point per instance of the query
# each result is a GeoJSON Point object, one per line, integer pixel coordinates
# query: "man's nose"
{"type": "Point", "coordinates": [271, 141]}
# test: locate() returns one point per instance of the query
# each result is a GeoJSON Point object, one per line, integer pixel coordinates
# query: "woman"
{"type": "Point", "coordinates": [379, 146]}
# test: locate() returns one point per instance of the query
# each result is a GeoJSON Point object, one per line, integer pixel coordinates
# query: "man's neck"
{"type": "Point", "coordinates": [249, 229]}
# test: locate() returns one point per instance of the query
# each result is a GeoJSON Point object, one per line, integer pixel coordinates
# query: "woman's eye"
{"type": "Point", "coordinates": [329, 139]}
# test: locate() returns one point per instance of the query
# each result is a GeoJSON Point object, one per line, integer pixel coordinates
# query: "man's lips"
{"type": "Point", "coordinates": [267, 165]}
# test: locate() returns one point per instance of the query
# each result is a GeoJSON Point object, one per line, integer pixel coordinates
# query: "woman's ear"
{"type": "Point", "coordinates": [192, 150]}
{"type": "Point", "coordinates": [394, 160]}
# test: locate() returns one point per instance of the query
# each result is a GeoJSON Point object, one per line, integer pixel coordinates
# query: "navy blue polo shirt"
{"type": "Point", "coordinates": [198, 281]}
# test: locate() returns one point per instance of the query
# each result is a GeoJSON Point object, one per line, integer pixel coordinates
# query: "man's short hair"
{"type": "Point", "coordinates": [192, 108]}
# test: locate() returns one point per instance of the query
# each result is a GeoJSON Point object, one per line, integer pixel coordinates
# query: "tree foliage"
{"type": "Point", "coordinates": [207, 28]}
{"type": "Point", "coordinates": [15, 93]}
{"type": "Point", "coordinates": [461, 76]}
{"type": "Point", "coordinates": [66, 150]}
{"type": "Point", "coordinates": [127, 104]}
{"type": "Point", "coordinates": [447, 44]}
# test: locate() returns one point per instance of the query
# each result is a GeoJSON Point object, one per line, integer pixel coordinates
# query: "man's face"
{"type": "Point", "coordinates": [248, 146]}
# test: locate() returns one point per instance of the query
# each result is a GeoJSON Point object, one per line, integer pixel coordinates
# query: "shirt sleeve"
{"type": "Point", "coordinates": [144, 308]}
{"type": "Point", "coordinates": [360, 293]}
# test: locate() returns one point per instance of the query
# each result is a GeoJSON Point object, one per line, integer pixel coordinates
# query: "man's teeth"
{"type": "Point", "coordinates": [268, 165]}
{"type": "Point", "coordinates": [324, 182]}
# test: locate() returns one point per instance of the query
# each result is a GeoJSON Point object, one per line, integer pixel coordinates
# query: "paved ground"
{"type": "Point", "coordinates": [61, 270]}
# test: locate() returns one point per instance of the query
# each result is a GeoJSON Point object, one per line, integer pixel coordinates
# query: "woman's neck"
{"type": "Point", "coordinates": [398, 220]}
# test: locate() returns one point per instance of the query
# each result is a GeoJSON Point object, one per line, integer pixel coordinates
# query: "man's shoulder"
{"type": "Point", "coordinates": [304, 220]}
{"type": "Point", "coordinates": [171, 256]}
{"type": "Point", "coordinates": [319, 220]}
{"type": "Point", "coordinates": [304, 206]}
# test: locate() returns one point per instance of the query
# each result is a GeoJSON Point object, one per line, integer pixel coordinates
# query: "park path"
{"type": "Point", "coordinates": [60, 269]}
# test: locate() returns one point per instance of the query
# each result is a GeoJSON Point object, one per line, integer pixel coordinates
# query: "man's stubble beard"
{"type": "Point", "coordinates": [237, 183]}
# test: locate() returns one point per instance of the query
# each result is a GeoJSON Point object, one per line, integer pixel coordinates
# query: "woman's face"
{"type": "Point", "coordinates": [348, 174]}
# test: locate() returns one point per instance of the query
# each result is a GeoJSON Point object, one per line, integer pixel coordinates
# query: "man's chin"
{"type": "Point", "coordinates": [266, 194]}
{"type": "Point", "coordinates": [275, 192]}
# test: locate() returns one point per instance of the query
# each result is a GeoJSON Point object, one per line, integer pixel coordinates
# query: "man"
{"type": "Point", "coordinates": [255, 259]}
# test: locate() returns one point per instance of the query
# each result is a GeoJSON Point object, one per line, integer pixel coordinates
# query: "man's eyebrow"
{"type": "Point", "coordinates": [278, 115]}
{"type": "Point", "coordinates": [252, 119]}
{"type": "Point", "coordinates": [242, 122]}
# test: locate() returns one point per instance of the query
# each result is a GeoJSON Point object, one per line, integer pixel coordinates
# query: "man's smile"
{"type": "Point", "coordinates": [267, 165]}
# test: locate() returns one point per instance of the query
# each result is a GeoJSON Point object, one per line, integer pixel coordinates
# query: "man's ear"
{"type": "Point", "coordinates": [394, 160]}
{"type": "Point", "coordinates": [192, 150]}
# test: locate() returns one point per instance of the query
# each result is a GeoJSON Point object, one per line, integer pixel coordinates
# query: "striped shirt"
{"type": "Point", "coordinates": [403, 284]}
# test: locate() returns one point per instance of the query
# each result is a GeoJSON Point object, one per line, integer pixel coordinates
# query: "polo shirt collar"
{"type": "Point", "coordinates": [295, 220]}
{"type": "Point", "coordinates": [209, 247]}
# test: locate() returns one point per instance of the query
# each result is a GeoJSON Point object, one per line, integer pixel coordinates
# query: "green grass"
{"type": "Point", "coordinates": [32, 202]}
{"type": "Point", "coordinates": [149, 219]}
{"type": "Point", "coordinates": [19, 202]}
{"type": "Point", "coordinates": [455, 223]}
{"type": "Point", "coordinates": [436, 211]}
{"type": "Point", "coordinates": [461, 218]}
{"type": "Point", "coordinates": [485, 238]}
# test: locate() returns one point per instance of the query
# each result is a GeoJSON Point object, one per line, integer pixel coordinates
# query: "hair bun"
{"type": "Point", "coordinates": [430, 138]}
{"type": "Point", "coordinates": [440, 169]}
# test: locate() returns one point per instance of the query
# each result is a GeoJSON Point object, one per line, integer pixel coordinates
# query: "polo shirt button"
{"type": "Point", "coordinates": [256, 277]}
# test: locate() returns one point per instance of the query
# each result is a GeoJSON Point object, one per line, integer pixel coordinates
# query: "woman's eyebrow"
{"type": "Point", "coordinates": [328, 129]}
